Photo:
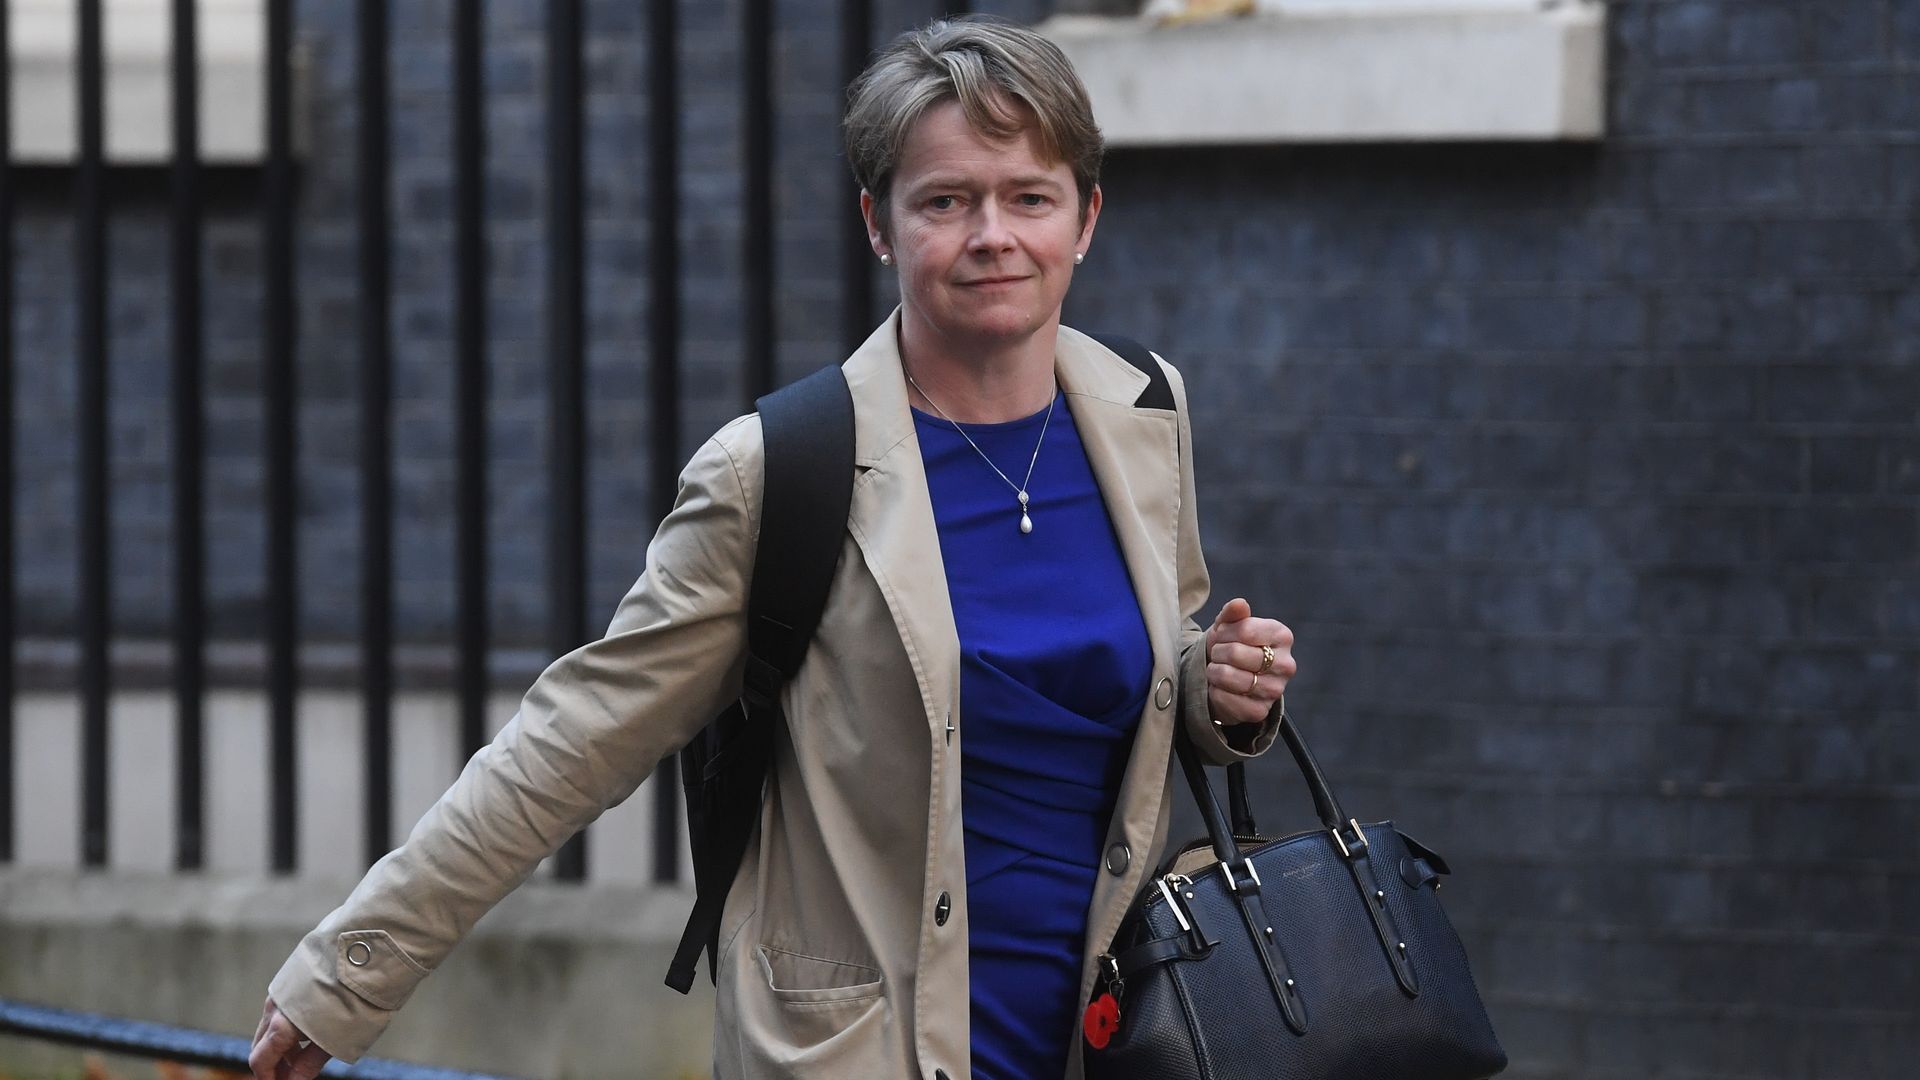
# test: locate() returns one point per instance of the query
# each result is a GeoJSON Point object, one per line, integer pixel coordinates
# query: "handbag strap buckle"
{"type": "Point", "coordinates": [1347, 851]}
{"type": "Point", "coordinates": [1251, 873]}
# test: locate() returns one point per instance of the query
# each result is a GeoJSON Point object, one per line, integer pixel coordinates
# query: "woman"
{"type": "Point", "coordinates": [1007, 644]}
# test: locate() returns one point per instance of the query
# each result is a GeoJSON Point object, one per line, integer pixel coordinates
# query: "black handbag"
{"type": "Point", "coordinates": [1318, 956]}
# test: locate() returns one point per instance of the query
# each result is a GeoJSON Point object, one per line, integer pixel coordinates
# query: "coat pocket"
{"type": "Point", "coordinates": [799, 979]}
{"type": "Point", "coordinates": [817, 1017]}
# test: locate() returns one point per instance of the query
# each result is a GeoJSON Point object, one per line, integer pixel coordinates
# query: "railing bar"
{"type": "Point", "coordinates": [470, 360]}
{"type": "Point", "coordinates": [376, 468]}
{"type": "Point", "coordinates": [757, 246]}
{"type": "Point", "coordinates": [280, 385]}
{"type": "Point", "coordinates": [95, 589]}
{"type": "Point", "coordinates": [856, 44]}
{"type": "Point", "coordinates": [566, 357]}
{"type": "Point", "coordinates": [189, 560]}
{"type": "Point", "coordinates": [8, 627]}
{"type": "Point", "coordinates": [187, 1046]}
{"type": "Point", "coordinates": [663, 91]}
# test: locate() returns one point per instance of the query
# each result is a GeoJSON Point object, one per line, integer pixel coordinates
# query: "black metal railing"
{"type": "Point", "coordinates": [278, 177]}
{"type": "Point", "coordinates": [186, 1046]}
{"type": "Point", "coordinates": [189, 533]}
{"type": "Point", "coordinates": [663, 90]}
{"type": "Point", "coordinates": [95, 599]}
{"type": "Point", "coordinates": [8, 629]}
{"type": "Point", "coordinates": [470, 376]}
{"type": "Point", "coordinates": [566, 351]}
{"type": "Point", "coordinates": [280, 388]}
{"type": "Point", "coordinates": [375, 221]}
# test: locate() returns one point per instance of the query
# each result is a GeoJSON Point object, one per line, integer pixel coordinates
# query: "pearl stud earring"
{"type": "Point", "coordinates": [886, 258]}
{"type": "Point", "coordinates": [1079, 257]}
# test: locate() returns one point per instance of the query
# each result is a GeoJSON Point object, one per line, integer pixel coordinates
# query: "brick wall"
{"type": "Point", "coordinates": [1589, 479]}
{"type": "Point", "coordinates": [1588, 475]}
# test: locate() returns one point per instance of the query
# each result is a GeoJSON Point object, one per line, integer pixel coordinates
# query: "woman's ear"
{"type": "Point", "coordinates": [1088, 217]}
{"type": "Point", "coordinates": [870, 213]}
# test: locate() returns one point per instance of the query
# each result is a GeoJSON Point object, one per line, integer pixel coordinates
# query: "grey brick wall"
{"type": "Point", "coordinates": [1588, 475]}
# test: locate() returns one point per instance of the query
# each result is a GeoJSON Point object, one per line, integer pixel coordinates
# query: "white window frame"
{"type": "Point", "coordinates": [1306, 71]}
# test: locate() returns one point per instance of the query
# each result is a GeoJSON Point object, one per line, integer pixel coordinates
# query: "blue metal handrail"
{"type": "Point", "coordinates": [189, 1046]}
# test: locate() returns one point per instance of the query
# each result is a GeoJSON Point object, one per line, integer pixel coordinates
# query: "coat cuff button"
{"type": "Point", "coordinates": [1117, 858]}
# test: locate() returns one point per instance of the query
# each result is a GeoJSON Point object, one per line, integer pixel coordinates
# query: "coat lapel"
{"type": "Point", "coordinates": [892, 519]}
{"type": "Point", "coordinates": [1135, 454]}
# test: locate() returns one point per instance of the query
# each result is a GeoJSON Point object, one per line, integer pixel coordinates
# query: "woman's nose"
{"type": "Point", "coordinates": [990, 232]}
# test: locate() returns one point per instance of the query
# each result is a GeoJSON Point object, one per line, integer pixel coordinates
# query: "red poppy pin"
{"type": "Point", "coordinates": [1101, 1021]}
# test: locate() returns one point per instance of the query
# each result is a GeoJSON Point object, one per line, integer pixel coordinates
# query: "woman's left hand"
{"type": "Point", "coordinates": [1249, 661]}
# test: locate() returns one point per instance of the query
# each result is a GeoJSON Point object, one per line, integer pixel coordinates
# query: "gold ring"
{"type": "Point", "coordinates": [1255, 686]}
{"type": "Point", "coordinates": [1266, 659]}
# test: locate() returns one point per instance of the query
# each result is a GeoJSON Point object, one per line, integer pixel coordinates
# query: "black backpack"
{"type": "Point", "coordinates": [807, 490]}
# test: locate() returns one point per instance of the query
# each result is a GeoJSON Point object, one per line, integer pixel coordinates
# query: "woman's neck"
{"type": "Point", "coordinates": [984, 385]}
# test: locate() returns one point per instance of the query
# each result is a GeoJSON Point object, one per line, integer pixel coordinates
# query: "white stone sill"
{"type": "Point", "coordinates": [1348, 71]}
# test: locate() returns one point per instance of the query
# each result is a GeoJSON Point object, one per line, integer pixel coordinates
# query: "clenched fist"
{"type": "Point", "coordinates": [1249, 661]}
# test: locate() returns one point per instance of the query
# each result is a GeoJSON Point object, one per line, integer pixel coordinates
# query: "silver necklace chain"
{"type": "Point", "coordinates": [1020, 489]}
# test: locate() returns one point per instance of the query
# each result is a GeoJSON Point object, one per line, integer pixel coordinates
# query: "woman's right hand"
{"type": "Point", "coordinates": [281, 1052]}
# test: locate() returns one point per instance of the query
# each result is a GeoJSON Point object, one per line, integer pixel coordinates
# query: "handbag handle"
{"type": "Point", "coordinates": [1238, 803]}
{"type": "Point", "coordinates": [1354, 852]}
{"type": "Point", "coordinates": [1225, 847]}
{"type": "Point", "coordinates": [1242, 880]}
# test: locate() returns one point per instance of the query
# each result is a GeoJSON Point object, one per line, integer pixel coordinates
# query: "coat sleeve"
{"type": "Point", "coordinates": [1196, 714]}
{"type": "Point", "coordinates": [589, 730]}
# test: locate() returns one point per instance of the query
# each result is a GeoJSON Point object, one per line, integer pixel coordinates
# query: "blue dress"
{"type": "Point", "coordinates": [1055, 667]}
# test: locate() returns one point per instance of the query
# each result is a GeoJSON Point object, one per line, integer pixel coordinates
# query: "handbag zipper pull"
{"type": "Point", "coordinates": [1110, 974]}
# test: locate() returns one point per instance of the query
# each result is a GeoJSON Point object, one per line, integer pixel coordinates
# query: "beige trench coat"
{"type": "Point", "coordinates": [832, 963]}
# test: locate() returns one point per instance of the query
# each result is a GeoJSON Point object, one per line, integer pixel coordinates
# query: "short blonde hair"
{"type": "Point", "coordinates": [992, 67]}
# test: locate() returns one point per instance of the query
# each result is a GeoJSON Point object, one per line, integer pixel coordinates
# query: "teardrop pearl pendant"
{"type": "Point", "coordinates": [1020, 489]}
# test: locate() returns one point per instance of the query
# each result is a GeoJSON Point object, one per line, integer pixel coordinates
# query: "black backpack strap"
{"type": "Point", "coordinates": [1159, 392]}
{"type": "Point", "coordinates": [806, 491]}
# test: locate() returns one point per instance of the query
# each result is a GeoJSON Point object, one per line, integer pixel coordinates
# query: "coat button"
{"type": "Point", "coordinates": [1117, 857]}
{"type": "Point", "coordinates": [1163, 694]}
{"type": "Point", "coordinates": [941, 909]}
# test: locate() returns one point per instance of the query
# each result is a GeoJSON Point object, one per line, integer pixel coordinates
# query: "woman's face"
{"type": "Point", "coordinates": [983, 232]}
